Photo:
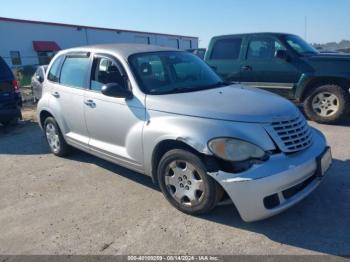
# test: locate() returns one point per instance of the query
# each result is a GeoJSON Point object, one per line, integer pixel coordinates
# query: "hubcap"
{"type": "Point", "coordinates": [325, 104]}
{"type": "Point", "coordinates": [52, 137]}
{"type": "Point", "coordinates": [184, 183]}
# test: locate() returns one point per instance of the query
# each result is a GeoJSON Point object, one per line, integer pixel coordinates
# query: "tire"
{"type": "Point", "coordinates": [54, 138]}
{"type": "Point", "coordinates": [183, 177]}
{"type": "Point", "coordinates": [327, 104]}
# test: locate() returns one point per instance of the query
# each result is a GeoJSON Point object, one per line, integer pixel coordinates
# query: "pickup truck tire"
{"type": "Point", "coordinates": [327, 104]}
{"type": "Point", "coordinates": [185, 184]}
{"type": "Point", "coordinates": [55, 139]}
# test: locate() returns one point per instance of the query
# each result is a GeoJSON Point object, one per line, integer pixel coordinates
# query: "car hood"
{"type": "Point", "coordinates": [330, 57]}
{"type": "Point", "coordinates": [230, 103]}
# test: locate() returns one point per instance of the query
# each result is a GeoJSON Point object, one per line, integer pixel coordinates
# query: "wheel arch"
{"type": "Point", "coordinates": [317, 81]}
{"type": "Point", "coordinates": [43, 115]}
{"type": "Point", "coordinates": [166, 145]}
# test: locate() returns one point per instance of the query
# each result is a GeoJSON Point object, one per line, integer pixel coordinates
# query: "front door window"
{"type": "Point", "coordinates": [105, 71]}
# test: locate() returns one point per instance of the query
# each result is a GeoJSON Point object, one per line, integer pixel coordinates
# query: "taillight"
{"type": "Point", "coordinates": [15, 86]}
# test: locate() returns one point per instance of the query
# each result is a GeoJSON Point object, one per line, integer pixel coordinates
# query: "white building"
{"type": "Point", "coordinates": [24, 42]}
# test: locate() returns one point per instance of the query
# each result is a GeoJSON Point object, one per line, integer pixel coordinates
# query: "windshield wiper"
{"type": "Point", "coordinates": [218, 84]}
{"type": "Point", "coordinates": [176, 90]}
{"type": "Point", "coordinates": [193, 89]}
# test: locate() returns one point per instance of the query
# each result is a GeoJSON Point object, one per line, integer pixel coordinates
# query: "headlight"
{"type": "Point", "coordinates": [235, 150]}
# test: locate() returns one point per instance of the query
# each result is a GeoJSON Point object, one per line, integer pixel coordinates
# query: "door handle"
{"type": "Point", "coordinates": [55, 94]}
{"type": "Point", "coordinates": [90, 103]}
{"type": "Point", "coordinates": [247, 68]}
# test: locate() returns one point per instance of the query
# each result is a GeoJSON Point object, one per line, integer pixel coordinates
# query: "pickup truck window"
{"type": "Point", "coordinates": [226, 49]}
{"type": "Point", "coordinates": [172, 72]}
{"type": "Point", "coordinates": [263, 48]}
{"type": "Point", "coordinates": [299, 45]}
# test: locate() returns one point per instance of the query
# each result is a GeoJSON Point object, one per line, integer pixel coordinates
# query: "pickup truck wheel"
{"type": "Point", "coordinates": [58, 145]}
{"type": "Point", "coordinates": [327, 104]}
{"type": "Point", "coordinates": [185, 184]}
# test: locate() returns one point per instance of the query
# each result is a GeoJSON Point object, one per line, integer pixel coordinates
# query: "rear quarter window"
{"type": "Point", "coordinates": [226, 49]}
{"type": "Point", "coordinates": [54, 73]}
{"type": "Point", "coordinates": [5, 71]}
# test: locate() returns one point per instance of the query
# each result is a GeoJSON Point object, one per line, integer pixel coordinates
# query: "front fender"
{"type": "Point", "coordinates": [308, 79]}
{"type": "Point", "coordinates": [196, 132]}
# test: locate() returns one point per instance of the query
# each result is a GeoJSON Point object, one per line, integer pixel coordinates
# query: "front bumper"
{"type": "Point", "coordinates": [283, 180]}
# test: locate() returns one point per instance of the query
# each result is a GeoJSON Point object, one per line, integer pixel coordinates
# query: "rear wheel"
{"type": "Point", "coordinates": [185, 184]}
{"type": "Point", "coordinates": [327, 104]}
{"type": "Point", "coordinates": [58, 145]}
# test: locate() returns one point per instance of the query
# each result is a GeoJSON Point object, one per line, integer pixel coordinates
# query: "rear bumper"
{"type": "Point", "coordinates": [10, 114]}
{"type": "Point", "coordinates": [270, 188]}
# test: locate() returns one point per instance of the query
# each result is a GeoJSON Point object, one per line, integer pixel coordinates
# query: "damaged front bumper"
{"type": "Point", "coordinates": [270, 188]}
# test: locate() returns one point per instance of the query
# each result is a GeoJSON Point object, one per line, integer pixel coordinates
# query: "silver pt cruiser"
{"type": "Point", "coordinates": [165, 113]}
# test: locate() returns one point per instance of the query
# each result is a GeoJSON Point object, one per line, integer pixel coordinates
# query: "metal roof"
{"type": "Point", "coordinates": [89, 27]}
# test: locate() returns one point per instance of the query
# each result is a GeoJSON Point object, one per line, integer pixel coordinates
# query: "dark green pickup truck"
{"type": "Point", "coordinates": [287, 65]}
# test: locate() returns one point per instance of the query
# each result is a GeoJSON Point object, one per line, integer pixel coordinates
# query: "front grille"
{"type": "Point", "coordinates": [292, 135]}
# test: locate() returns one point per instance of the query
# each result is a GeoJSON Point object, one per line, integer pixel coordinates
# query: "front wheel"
{"type": "Point", "coordinates": [327, 104]}
{"type": "Point", "coordinates": [185, 184]}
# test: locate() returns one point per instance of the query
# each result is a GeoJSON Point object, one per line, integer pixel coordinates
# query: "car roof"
{"type": "Point", "coordinates": [252, 34]}
{"type": "Point", "coordinates": [123, 50]}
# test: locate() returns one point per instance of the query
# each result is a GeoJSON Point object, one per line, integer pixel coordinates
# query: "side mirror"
{"type": "Point", "coordinates": [39, 78]}
{"type": "Point", "coordinates": [116, 90]}
{"type": "Point", "coordinates": [281, 54]}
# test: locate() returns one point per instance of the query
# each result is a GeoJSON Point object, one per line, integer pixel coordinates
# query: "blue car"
{"type": "Point", "coordinates": [10, 95]}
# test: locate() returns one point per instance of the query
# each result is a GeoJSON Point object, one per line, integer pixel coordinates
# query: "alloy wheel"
{"type": "Point", "coordinates": [184, 183]}
{"type": "Point", "coordinates": [325, 104]}
{"type": "Point", "coordinates": [52, 137]}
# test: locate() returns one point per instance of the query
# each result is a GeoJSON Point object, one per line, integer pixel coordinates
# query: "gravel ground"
{"type": "Point", "coordinates": [84, 205]}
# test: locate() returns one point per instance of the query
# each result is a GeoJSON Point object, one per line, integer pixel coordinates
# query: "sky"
{"type": "Point", "coordinates": [327, 21]}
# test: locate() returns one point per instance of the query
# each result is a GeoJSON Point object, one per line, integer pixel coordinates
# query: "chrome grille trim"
{"type": "Point", "coordinates": [292, 135]}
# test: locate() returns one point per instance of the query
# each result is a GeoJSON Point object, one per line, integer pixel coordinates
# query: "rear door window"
{"type": "Point", "coordinates": [226, 49]}
{"type": "Point", "coordinates": [75, 71]}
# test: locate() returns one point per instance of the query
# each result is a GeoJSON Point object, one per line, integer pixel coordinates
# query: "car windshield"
{"type": "Point", "coordinates": [299, 45]}
{"type": "Point", "coordinates": [173, 72]}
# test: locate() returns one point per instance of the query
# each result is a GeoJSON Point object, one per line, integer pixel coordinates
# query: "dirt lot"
{"type": "Point", "coordinates": [84, 205]}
